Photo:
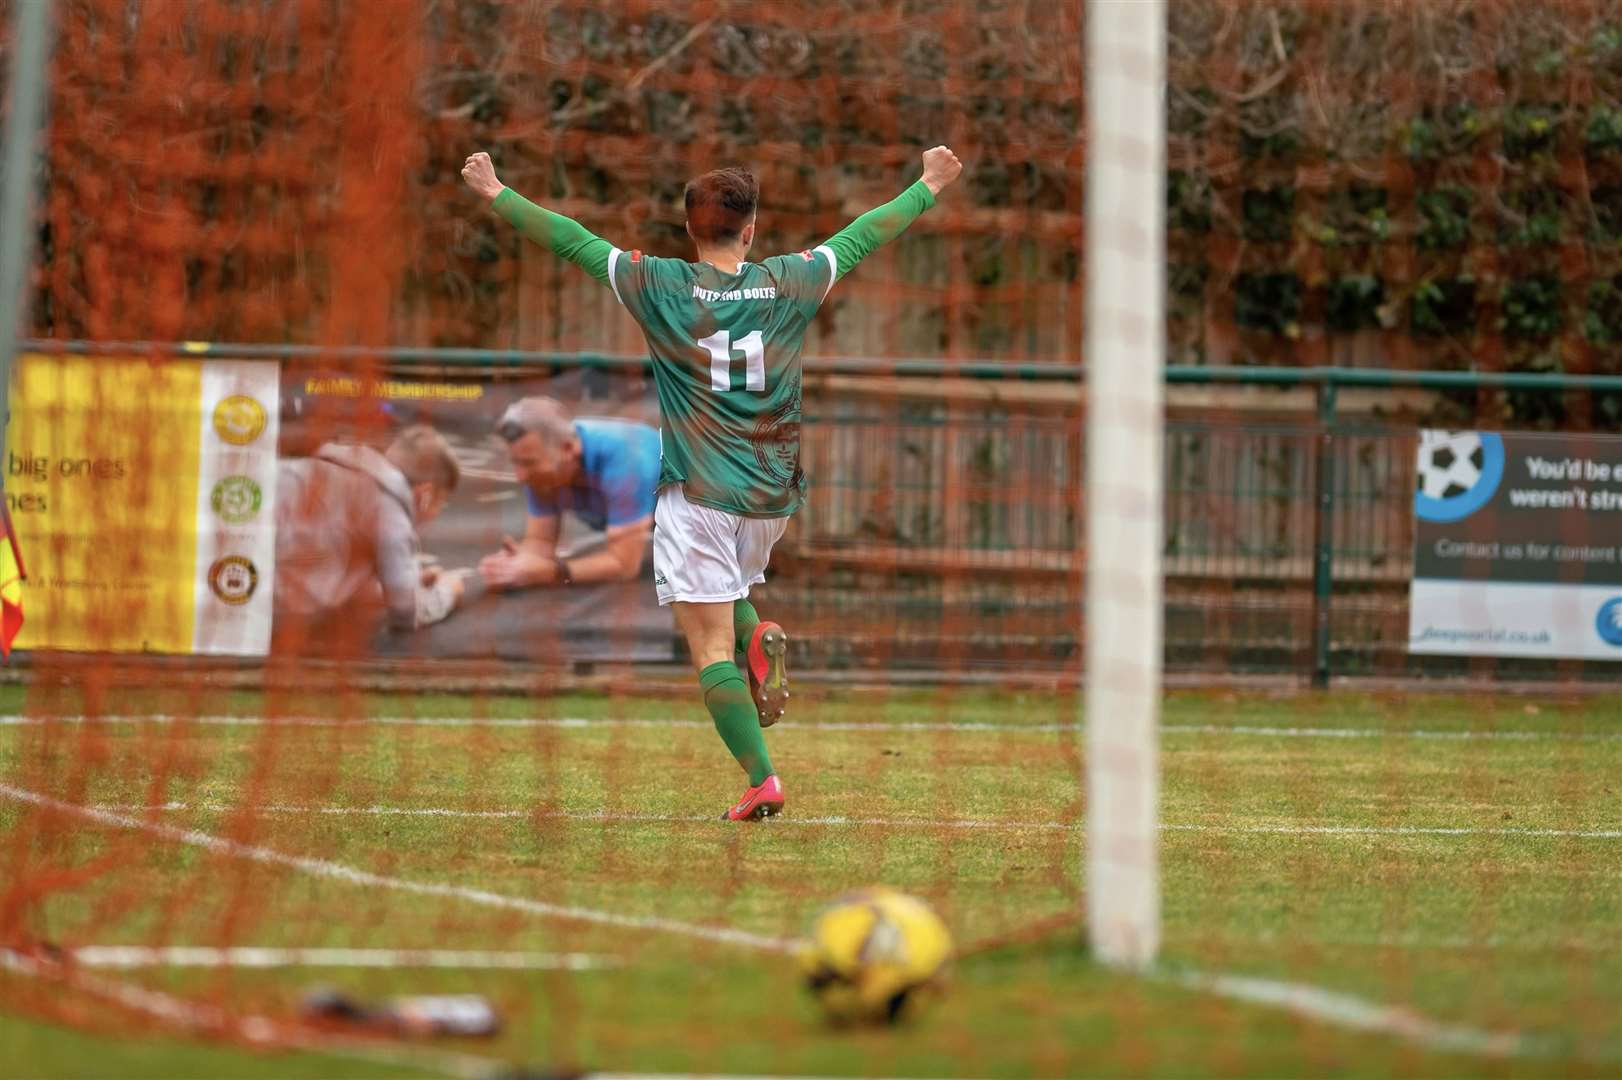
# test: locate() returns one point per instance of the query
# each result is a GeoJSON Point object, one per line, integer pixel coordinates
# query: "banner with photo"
{"type": "Point", "coordinates": [553, 624]}
{"type": "Point", "coordinates": [145, 495]}
{"type": "Point", "coordinates": [142, 494]}
{"type": "Point", "coordinates": [1518, 545]}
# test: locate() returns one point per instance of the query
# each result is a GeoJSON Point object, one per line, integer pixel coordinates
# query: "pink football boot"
{"type": "Point", "coordinates": [762, 801]}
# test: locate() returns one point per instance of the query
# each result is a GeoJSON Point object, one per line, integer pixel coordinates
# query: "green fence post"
{"type": "Point", "coordinates": [1323, 533]}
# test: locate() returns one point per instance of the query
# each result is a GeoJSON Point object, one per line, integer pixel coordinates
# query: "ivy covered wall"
{"type": "Point", "coordinates": [1430, 184]}
{"type": "Point", "coordinates": [1434, 185]}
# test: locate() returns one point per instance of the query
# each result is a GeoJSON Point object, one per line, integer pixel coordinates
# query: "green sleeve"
{"type": "Point", "coordinates": [863, 236]}
{"type": "Point", "coordinates": [566, 237]}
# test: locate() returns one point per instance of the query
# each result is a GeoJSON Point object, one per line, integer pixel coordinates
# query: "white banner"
{"type": "Point", "coordinates": [236, 497]}
{"type": "Point", "coordinates": [1470, 618]}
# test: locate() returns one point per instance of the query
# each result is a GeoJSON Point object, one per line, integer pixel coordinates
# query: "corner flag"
{"type": "Point", "coordinates": [12, 575]}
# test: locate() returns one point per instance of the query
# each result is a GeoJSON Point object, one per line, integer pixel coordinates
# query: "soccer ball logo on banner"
{"type": "Point", "coordinates": [1458, 472]}
{"type": "Point", "coordinates": [1609, 621]}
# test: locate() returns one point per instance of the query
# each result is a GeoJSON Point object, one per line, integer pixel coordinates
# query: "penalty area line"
{"type": "Point", "coordinates": [341, 872]}
{"type": "Point", "coordinates": [790, 821]}
{"type": "Point", "coordinates": [880, 726]}
{"type": "Point", "coordinates": [127, 957]}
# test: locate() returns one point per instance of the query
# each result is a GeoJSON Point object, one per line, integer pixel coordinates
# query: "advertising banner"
{"type": "Point", "coordinates": [335, 419]}
{"type": "Point", "coordinates": [1518, 545]}
{"type": "Point", "coordinates": [142, 494]}
{"type": "Point", "coordinates": [236, 507]}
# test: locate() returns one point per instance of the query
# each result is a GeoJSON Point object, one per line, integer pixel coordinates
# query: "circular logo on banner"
{"type": "Point", "coordinates": [1609, 621]}
{"type": "Point", "coordinates": [1458, 472]}
{"type": "Point", "coordinates": [233, 579]}
{"type": "Point", "coordinates": [239, 419]}
{"type": "Point", "coordinates": [236, 499]}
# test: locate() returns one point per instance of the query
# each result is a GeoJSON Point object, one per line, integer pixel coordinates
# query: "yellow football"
{"type": "Point", "coordinates": [874, 955]}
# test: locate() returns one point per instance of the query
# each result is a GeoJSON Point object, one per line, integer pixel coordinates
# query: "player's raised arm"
{"type": "Point", "coordinates": [564, 236]}
{"type": "Point", "coordinates": [879, 226]}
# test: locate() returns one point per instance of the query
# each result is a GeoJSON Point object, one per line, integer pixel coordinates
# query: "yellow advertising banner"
{"type": "Point", "coordinates": [106, 459]}
{"type": "Point", "coordinates": [155, 515]}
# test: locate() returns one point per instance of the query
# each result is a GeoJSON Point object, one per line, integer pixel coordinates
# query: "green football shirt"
{"type": "Point", "coordinates": [726, 366]}
{"type": "Point", "coordinates": [725, 347]}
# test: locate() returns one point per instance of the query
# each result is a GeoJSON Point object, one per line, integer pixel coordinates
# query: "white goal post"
{"type": "Point", "coordinates": [1125, 358]}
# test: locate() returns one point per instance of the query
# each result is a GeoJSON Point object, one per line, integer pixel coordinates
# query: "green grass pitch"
{"type": "Point", "coordinates": [1459, 858]}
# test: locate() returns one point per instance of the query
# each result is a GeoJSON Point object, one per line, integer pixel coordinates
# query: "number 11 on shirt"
{"type": "Point", "coordinates": [720, 346]}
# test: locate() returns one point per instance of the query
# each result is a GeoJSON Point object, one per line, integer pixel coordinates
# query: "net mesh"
{"type": "Point", "coordinates": [518, 800]}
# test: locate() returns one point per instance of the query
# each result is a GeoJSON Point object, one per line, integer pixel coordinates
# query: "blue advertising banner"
{"type": "Point", "coordinates": [1518, 545]}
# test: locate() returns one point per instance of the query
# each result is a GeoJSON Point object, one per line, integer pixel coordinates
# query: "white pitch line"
{"type": "Point", "coordinates": [569, 722]}
{"type": "Point", "coordinates": [1302, 999]}
{"type": "Point", "coordinates": [125, 957]}
{"type": "Point", "coordinates": [162, 719]}
{"type": "Point", "coordinates": [787, 820]}
{"type": "Point", "coordinates": [1418, 943]}
{"type": "Point", "coordinates": [1393, 830]}
{"type": "Point", "coordinates": [339, 871]}
{"type": "Point", "coordinates": [1347, 1011]}
{"type": "Point", "coordinates": [193, 1017]}
{"type": "Point", "coordinates": [1312, 1002]}
{"type": "Point", "coordinates": [1381, 733]}
{"type": "Point", "coordinates": [153, 1003]}
{"type": "Point", "coordinates": [1248, 730]}
{"type": "Point", "coordinates": [583, 816]}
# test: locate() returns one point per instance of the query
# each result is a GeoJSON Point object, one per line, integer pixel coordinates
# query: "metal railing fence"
{"type": "Point", "coordinates": [945, 517]}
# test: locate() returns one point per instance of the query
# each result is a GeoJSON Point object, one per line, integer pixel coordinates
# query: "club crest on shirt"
{"type": "Point", "coordinates": [776, 441]}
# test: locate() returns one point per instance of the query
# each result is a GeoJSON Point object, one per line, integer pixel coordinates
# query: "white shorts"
{"type": "Point", "coordinates": [706, 556]}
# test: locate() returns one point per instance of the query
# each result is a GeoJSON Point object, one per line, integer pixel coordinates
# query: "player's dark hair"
{"type": "Point", "coordinates": [720, 203]}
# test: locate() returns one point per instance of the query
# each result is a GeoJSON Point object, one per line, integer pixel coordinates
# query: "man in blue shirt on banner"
{"type": "Point", "coordinates": [605, 472]}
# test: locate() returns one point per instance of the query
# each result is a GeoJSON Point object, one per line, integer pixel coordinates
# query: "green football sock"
{"type": "Point", "coordinates": [744, 621]}
{"type": "Point", "coordinates": [726, 695]}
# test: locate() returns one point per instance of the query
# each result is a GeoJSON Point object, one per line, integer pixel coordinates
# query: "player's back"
{"type": "Point", "coordinates": [725, 346]}
{"type": "Point", "coordinates": [726, 358]}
